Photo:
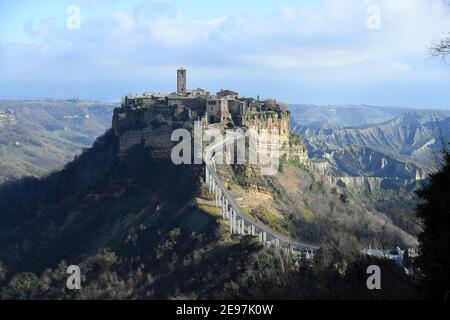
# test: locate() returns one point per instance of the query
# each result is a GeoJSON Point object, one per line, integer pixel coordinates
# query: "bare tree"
{"type": "Point", "coordinates": [441, 48]}
{"type": "Point", "coordinates": [435, 160]}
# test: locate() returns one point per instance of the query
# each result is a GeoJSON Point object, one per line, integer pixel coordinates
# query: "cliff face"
{"type": "Point", "coordinates": [269, 121]}
{"type": "Point", "coordinates": [153, 126]}
{"type": "Point", "coordinates": [149, 127]}
{"type": "Point", "coordinates": [292, 147]}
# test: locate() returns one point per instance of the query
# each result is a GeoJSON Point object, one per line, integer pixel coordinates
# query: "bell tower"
{"type": "Point", "coordinates": [181, 81]}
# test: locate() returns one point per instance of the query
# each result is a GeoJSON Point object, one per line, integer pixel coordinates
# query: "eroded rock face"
{"type": "Point", "coordinates": [271, 123]}
{"type": "Point", "coordinates": [400, 148]}
{"type": "Point", "coordinates": [153, 126]}
{"type": "Point", "coordinates": [150, 127]}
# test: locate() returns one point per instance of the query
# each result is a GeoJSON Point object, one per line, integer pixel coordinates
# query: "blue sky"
{"type": "Point", "coordinates": [313, 51]}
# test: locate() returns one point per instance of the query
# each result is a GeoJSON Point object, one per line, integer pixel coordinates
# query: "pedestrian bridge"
{"type": "Point", "coordinates": [239, 223]}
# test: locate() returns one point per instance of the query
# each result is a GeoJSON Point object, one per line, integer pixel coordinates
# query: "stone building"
{"type": "Point", "coordinates": [225, 107]}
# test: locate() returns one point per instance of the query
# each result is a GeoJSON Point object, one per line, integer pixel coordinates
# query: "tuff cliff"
{"type": "Point", "coordinates": [152, 126]}
{"type": "Point", "coordinates": [148, 126]}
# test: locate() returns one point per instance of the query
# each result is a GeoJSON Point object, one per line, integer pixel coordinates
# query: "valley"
{"type": "Point", "coordinates": [40, 136]}
{"type": "Point", "coordinates": [121, 206]}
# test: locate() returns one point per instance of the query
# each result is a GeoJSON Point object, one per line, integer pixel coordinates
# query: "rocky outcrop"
{"type": "Point", "coordinates": [152, 126]}
{"type": "Point", "coordinates": [149, 127]}
{"type": "Point", "coordinates": [292, 148]}
{"type": "Point", "coordinates": [269, 121]}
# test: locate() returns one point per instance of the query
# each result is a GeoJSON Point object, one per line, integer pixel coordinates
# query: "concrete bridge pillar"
{"type": "Point", "coordinates": [241, 226]}
{"type": "Point", "coordinates": [264, 237]}
{"type": "Point", "coordinates": [218, 197]}
{"type": "Point", "coordinates": [233, 217]}
{"type": "Point", "coordinates": [223, 209]}
{"type": "Point", "coordinates": [249, 229]}
{"type": "Point", "coordinates": [209, 183]}
{"type": "Point", "coordinates": [227, 209]}
{"type": "Point", "coordinates": [231, 221]}
{"type": "Point", "coordinates": [260, 237]}
{"type": "Point", "coordinates": [253, 230]}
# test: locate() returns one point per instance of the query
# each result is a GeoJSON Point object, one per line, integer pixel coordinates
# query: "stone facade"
{"type": "Point", "coordinates": [181, 81]}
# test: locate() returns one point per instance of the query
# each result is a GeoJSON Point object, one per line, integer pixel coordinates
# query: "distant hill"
{"type": "Point", "coordinates": [401, 148]}
{"type": "Point", "coordinates": [342, 116]}
{"type": "Point", "coordinates": [38, 136]}
{"type": "Point", "coordinates": [380, 155]}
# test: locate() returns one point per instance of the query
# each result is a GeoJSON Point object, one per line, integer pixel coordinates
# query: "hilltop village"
{"type": "Point", "coordinates": [225, 107]}
{"type": "Point", "coordinates": [150, 118]}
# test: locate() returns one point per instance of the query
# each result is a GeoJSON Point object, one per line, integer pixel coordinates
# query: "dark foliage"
{"type": "Point", "coordinates": [434, 249]}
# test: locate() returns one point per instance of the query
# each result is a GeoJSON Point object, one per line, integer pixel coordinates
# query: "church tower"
{"type": "Point", "coordinates": [181, 81]}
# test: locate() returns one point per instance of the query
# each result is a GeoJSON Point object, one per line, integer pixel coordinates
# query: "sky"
{"type": "Point", "coordinates": [308, 52]}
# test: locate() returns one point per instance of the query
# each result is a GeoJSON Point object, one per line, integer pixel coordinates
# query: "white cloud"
{"type": "Point", "coordinates": [328, 40]}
